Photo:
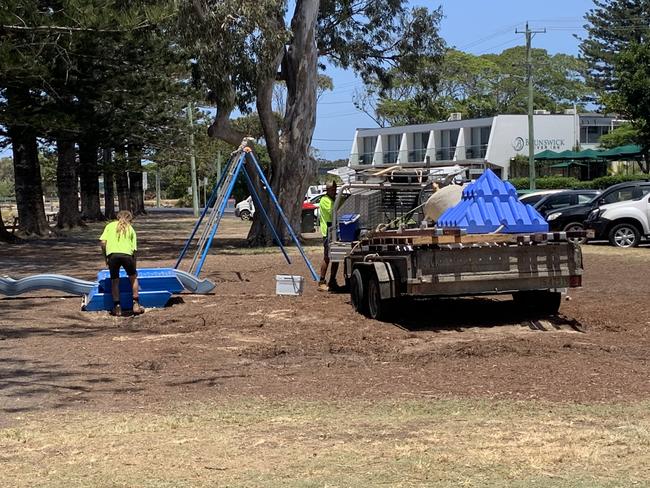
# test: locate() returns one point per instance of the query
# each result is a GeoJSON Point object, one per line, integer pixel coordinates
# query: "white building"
{"type": "Point", "coordinates": [490, 141]}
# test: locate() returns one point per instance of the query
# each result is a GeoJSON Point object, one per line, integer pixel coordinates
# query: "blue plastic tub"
{"type": "Point", "coordinates": [349, 227]}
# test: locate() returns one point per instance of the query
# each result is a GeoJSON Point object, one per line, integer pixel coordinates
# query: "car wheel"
{"type": "Point", "coordinates": [573, 227]}
{"type": "Point", "coordinates": [245, 215]}
{"type": "Point", "coordinates": [358, 292]}
{"type": "Point", "coordinates": [624, 235]}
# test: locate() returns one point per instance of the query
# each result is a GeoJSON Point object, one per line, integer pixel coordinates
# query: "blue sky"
{"type": "Point", "coordinates": [476, 26]}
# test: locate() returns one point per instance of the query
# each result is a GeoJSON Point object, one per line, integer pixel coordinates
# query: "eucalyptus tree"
{"type": "Point", "coordinates": [243, 49]}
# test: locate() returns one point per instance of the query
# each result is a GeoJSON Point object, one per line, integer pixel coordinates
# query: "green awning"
{"type": "Point", "coordinates": [546, 155]}
{"type": "Point", "coordinates": [629, 151]}
{"type": "Point", "coordinates": [567, 164]}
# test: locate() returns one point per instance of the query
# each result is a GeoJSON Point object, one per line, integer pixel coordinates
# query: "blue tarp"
{"type": "Point", "coordinates": [489, 204]}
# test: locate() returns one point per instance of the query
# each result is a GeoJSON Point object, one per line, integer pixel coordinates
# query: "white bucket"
{"type": "Point", "coordinates": [289, 284]}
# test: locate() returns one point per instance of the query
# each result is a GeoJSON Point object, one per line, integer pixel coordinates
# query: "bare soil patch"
{"type": "Point", "coordinates": [244, 341]}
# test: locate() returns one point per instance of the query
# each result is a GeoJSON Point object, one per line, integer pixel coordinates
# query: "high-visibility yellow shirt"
{"type": "Point", "coordinates": [123, 244]}
{"type": "Point", "coordinates": [325, 211]}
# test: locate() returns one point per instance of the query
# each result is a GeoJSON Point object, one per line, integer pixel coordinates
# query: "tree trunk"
{"type": "Point", "coordinates": [121, 180]}
{"type": "Point", "coordinates": [66, 183]}
{"type": "Point", "coordinates": [109, 186]}
{"type": "Point", "coordinates": [89, 178]}
{"type": "Point", "coordinates": [27, 169]}
{"type": "Point", "coordinates": [292, 164]}
{"type": "Point", "coordinates": [136, 191]}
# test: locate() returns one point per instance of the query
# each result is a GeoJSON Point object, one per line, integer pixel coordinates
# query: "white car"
{"type": "Point", "coordinates": [245, 209]}
{"type": "Point", "coordinates": [623, 223]}
{"type": "Point", "coordinates": [533, 197]}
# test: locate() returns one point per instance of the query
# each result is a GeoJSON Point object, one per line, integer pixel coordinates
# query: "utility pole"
{"type": "Point", "coordinates": [195, 192]}
{"type": "Point", "coordinates": [531, 129]}
{"type": "Point", "coordinates": [158, 187]}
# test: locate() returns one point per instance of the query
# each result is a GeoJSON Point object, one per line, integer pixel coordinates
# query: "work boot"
{"type": "Point", "coordinates": [117, 310]}
{"type": "Point", "coordinates": [334, 287]}
{"type": "Point", "coordinates": [137, 309]}
{"type": "Point", "coordinates": [322, 286]}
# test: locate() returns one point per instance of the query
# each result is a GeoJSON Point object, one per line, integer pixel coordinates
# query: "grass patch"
{"type": "Point", "coordinates": [421, 443]}
{"type": "Point", "coordinates": [636, 253]}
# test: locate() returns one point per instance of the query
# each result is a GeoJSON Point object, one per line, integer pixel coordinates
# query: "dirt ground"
{"type": "Point", "coordinates": [243, 341]}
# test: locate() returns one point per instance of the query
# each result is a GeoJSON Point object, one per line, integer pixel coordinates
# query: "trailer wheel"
{"type": "Point", "coordinates": [358, 292]}
{"type": "Point", "coordinates": [542, 302]}
{"type": "Point", "coordinates": [377, 307]}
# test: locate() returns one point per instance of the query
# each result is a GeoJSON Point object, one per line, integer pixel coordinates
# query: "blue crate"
{"type": "Point", "coordinates": [349, 227]}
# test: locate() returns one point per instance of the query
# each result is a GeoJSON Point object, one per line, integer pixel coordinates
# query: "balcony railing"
{"type": "Point", "coordinates": [390, 157]}
{"type": "Point", "coordinates": [417, 155]}
{"type": "Point", "coordinates": [476, 152]}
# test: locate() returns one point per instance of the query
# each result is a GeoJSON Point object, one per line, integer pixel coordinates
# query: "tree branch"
{"type": "Point", "coordinates": [222, 129]}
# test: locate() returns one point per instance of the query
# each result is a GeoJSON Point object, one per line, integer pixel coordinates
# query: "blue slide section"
{"type": "Point", "coordinates": [157, 285]}
{"type": "Point", "coordinates": [67, 284]}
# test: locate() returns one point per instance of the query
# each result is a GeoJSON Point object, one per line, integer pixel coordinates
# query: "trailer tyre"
{"type": "Point", "coordinates": [358, 292]}
{"type": "Point", "coordinates": [378, 308]}
{"type": "Point", "coordinates": [542, 302]}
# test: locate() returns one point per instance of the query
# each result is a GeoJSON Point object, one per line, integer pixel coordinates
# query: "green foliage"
{"type": "Point", "coordinates": [6, 178]}
{"type": "Point", "coordinates": [632, 74]}
{"type": "Point", "coordinates": [607, 181]}
{"type": "Point", "coordinates": [612, 25]}
{"type": "Point", "coordinates": [548, 183]}
{"type": "Point", "coordinates": [476, 86]}
{"type": "Point", "coordinates": [561, 182]}
{"type": "Point", "coordinates": [620, 136]}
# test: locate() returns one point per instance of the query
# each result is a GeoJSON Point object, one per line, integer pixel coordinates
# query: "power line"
{"type": "Point", "coordinates": [509, 41]}
{"type": "Point", "coordinates": [497, 33]}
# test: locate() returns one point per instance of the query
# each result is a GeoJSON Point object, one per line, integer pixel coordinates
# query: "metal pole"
{"type": "Point", "coordinates": [531, 126]}
{"type": "Point", "coordinates": [260, 207]}
{"type": "Point", "coordinates": [195, 195]}
{"type": "Point", "coordinates": [278, 207]}
{"type": "Point", "coordinates": [531, 131]}
{"type": "Point", "coordinates": [211, 201]}
{"type": "Point", "coordinates": [221, 210]}
{"type": "Point", "coordinates": [158, 188]}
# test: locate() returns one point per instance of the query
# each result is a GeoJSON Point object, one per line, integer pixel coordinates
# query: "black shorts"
{"type": "Point", "coordinates": [118, 260]}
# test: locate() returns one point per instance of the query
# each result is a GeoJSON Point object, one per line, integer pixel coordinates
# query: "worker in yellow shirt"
{"type": "Point", "coordinates": [325, 210]}
{"type": "Point", "coordinates": [119, 246]}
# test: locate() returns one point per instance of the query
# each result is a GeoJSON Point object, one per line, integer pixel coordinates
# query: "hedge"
{"type": "Point", "coordinates": [562, 182]}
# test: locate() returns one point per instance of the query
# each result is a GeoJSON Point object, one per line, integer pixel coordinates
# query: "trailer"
{"type": "Point", "coordinates": [383, 267]}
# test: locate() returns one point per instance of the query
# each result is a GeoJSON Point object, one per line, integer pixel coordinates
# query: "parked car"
{"type": "Point", "coordinates": [573, 217]}
{"type": "Point", "coordinates": [562, 199]}
{"type": "Point", "coordinates": [245, 209]}
{"type": "Point", "coordinates": [624, 222]}
{"type": "Point", "coordinates": [532, 197]}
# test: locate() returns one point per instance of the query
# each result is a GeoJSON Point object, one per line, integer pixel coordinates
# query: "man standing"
{"type": "Point", "coordinates": [325, 209]}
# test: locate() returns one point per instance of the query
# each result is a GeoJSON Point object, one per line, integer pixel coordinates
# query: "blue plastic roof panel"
{"type": "Point", "coordinates": [490, 203]}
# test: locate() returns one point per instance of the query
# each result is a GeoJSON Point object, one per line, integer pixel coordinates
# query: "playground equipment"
{"type": "Point", "coordinates": [157, 285]}
{"type": "Point", "coordinates": [242, 162]}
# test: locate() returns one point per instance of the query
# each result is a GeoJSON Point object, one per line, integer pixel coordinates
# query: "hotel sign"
{"type": "Point", "coordinates": [554, 144]}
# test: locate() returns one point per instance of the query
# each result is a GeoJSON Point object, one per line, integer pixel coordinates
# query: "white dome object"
{"type": "Point", "coordinates": [445, 198]}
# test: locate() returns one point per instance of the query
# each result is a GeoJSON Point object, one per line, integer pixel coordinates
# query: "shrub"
{"type": "Point", "coordinates": [548, 183]}
{"type": "Point", "coordinates": [561, 182]}
{"type": "Point", "coordinates": [607, 181]}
